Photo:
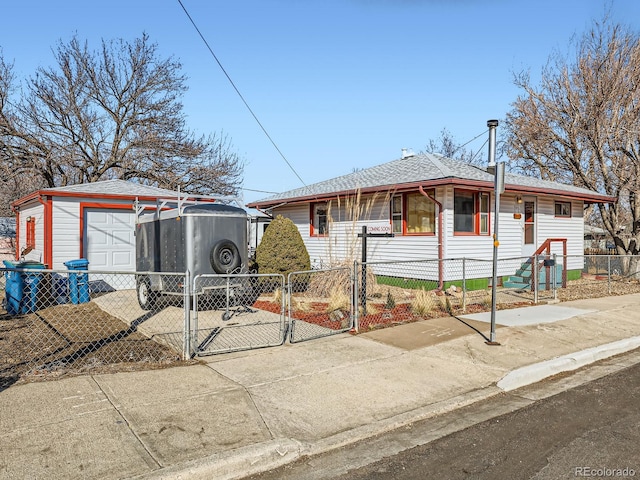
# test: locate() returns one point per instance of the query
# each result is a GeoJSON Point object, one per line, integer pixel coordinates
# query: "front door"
{"type": "Point", "coordinates": [529, 227]}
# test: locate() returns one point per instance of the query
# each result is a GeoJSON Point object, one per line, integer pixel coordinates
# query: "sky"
{"type": "Point", "coordinates": [338, 85]}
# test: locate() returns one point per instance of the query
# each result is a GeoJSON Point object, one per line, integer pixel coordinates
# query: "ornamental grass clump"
{"type": "Point", "coordinates": [422, 303]}
{"type": "Point", "coordinates": [338, 300]}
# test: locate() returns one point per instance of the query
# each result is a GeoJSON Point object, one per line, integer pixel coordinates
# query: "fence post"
{"type": "Point", "coordinates": [534, 282]}
{"type": "Point", "coordinates": [609, 274]}
{"type": "Point", "coordinates": [464, 286]}
{"type": "Point", "coordinates": [287, 300]}
{"type": "Point", "coordinates": [354, 300]}
{"type": "Point", "coordinates": [186, 353]}
{"type": "Point", "coordinates": [555, 275]}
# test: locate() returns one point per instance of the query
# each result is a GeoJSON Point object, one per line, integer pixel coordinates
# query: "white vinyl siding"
{"type": "Point", "coordinates": [343, 243]}
{"type": "Point", "coordinates": [65, 234]}
{"type": "Point", "coordinates": [510, 229]}
{"type": "Point", "coordinates": [35, 211]}
{"type": "Point", "coordinates": [571, 228]}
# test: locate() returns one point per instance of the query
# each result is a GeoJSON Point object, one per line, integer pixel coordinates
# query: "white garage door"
{"type": "Point", "coordinates": [109, 243]}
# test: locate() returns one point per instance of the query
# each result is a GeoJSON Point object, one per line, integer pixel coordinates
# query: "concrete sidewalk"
{"type": "Point", "coordinates": [247, 412]}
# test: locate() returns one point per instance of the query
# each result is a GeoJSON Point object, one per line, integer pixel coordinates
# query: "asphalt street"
{"type": "Point", "coordinates": [581, 424]}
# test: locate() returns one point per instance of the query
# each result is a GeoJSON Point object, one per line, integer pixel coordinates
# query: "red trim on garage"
{"type": "Point", "coordinates": [98, 196]}
{"type": "Point", "coordinates": [47, 236]}
{"type": "Point", "coordinates": [17, 249]}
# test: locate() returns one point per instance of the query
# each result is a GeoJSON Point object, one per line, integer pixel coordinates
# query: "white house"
{"type": "Point", "coordinates": [436, 208]}
{"type": "Point", "coordinates": [258, 223]}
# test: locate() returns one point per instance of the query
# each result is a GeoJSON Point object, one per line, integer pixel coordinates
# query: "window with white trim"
{"type": "Point", "coordinates": [563, 209]}
{"type": "Point", "coordinates": [413, 213]}
{"type": "Point", "coordinates": [471, 213]}
{"type": "Point", "coordinates": [396, 214]}
{"type": "Point", "coordinates": [319, 219]}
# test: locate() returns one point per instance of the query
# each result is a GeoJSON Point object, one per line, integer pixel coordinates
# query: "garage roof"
{"type": "Point", "coordinates": [113, 187]}
{"type": "Point", "coordinates": [107, 188]}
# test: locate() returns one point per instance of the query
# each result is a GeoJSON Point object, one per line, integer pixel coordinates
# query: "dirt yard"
{"type": "Point", "coordinates": [93, 342]}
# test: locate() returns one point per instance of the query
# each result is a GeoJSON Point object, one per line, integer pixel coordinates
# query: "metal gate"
{"type": "Point", "coordinates": [237, 312]}
{"type": "Point", "coordinates": [319, 303]}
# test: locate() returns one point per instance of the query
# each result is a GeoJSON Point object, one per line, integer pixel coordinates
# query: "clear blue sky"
{"type": "Point", "coordinates": [338, 84]}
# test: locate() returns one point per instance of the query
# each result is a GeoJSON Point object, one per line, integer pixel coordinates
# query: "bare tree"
{"type": "Point", "coordinates": [447, 146]}
{"type": "Point", "coordinates": [110, 113]}
{"type": "Point", "coordinates": [581, 125]}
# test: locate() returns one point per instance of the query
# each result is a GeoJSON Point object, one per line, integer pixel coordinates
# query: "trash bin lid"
{"type": "Point", "coordinates": [9, 263]}
{"type": "Point", "coordinates": [77, 264]}
{"type": "Point", "coordinates": [29, 264]}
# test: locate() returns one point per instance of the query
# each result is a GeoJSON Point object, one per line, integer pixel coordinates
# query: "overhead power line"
{"type": "Point", "coordinates": [459, 147]}
{"type": "Point", "coordinates": [474, 138]}
{"type": "Point", "coordinates": [258, 191]}
{"type": "Point", "coordinates": [479, 150]}
{"type": "Point", "coordinates": [238, 92]}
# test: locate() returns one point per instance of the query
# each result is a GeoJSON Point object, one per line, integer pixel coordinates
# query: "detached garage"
{"type": "Point", "coordinates": [95, 221]}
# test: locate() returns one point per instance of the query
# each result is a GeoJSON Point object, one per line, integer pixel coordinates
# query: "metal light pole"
{"type": "Point", "coordinates": [498, 188]}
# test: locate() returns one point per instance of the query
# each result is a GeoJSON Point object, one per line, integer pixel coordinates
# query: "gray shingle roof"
{"type": "Point", "coordinates": [421, 168]}
{"type": "Point", "coordinates": [114, 187]}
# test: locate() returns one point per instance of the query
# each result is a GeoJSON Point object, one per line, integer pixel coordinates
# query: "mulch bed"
{"type": "Point", "coordinates": [318, 313]}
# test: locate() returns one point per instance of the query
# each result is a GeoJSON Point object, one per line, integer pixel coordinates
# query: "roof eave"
{"type": "Point", "coordinates": [487, 185]}
{"type": "Point", "coordinates": [108, 196]}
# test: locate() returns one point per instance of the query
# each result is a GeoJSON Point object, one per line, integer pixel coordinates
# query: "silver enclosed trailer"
{"type": "Point", "coordinates": [201, 239]}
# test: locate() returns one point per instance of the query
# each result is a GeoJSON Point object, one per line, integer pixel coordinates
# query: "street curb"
{"type": "Point", "coordinates": [404, 419]}
{"type": "Point", "coordinates": [536, 372]}
{"type": "Point", "coordinates": [266, 456]}
{"type": "Point", "coordinates": [233, 464]}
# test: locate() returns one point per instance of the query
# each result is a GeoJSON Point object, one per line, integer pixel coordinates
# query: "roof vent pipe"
{"type": "Point", "coordinates": [407, 152]}
{"type": "Point", "coordinates": [492, 124]}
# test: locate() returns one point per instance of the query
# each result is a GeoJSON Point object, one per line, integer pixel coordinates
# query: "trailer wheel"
{"type": "Point", "coordinates": [224, 257]}
{"type": "Point", "coordinates": [147, 298]}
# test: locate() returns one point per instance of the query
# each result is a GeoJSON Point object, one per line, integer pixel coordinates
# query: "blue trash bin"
{"type": "Point", "coordinates": [60, 288]}
{"type": "Point", "coordinates": [22, 286]}
{"type": "Point", "coordinates": [31, 280]}
{"type": "Point", "coordinates": [13, 288]}
{"type": "Point", "coordinates": [78, 280]}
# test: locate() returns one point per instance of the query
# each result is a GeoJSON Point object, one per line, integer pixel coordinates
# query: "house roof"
{"type": "Point", "coordinates": [426, 170]}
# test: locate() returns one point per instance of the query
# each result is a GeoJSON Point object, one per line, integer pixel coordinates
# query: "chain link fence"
{"type": "Point", "coordinates": [55, 320]}
{"type": "Point", "coordinates": [603, 275]}
{"type": "Point", "coordinates": [399, 292]}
